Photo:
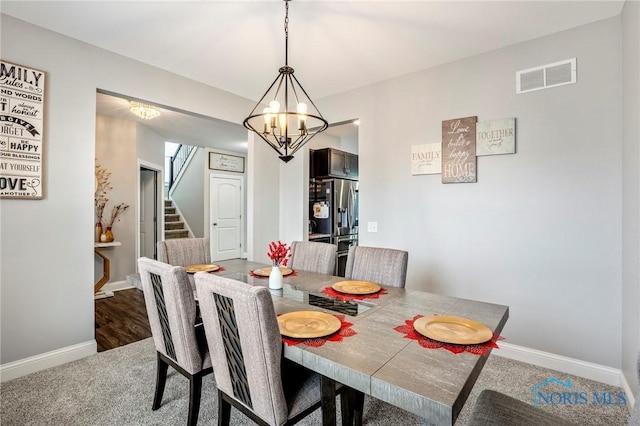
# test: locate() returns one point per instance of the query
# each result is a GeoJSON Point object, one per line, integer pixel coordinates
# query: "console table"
{"type": "Point", "coordinates": [106, 266]}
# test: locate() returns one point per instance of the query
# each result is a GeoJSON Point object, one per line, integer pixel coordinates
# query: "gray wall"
{"type": "Point", "coordinates": [541, 230]}
{"type": "Point", "coordinates": [188, 193]}
{"type": "Point", "coordinates": [51, 307]}
{"type": "Point", "coordinates": [631, 189]}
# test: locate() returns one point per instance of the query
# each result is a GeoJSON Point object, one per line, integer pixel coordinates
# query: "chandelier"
{"type": "Point", "coordinates": [291, 118]}
{"type": "Point", "coordinates": [144, 111]}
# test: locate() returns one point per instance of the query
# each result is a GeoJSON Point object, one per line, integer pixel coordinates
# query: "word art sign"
{"type": "Point", "coordinates": [426, 159]}
{"type": "Point", "coordinates": [496, 137]}
{"type": "Point", "coordinates": [459, 150]}
{"type": "Point", "coordinates": [228, 163]}
{"type": "Point", "coordinates": [21, 124]}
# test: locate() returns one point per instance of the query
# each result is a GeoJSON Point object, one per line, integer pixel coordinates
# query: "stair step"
{"type": "Point", "coordinates": [171, 217]}
{"type": "Point", "coordinates": [173, 225]}
{"type": "Point", "coordinates": [169, 210]}
{"type": "Point", "coordinates": [168, 203]}
{"type": "Point", "coordinates": [182, 233]}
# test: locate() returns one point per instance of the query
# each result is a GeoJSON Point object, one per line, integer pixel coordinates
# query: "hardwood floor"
{"type": "Point", "coordinates": [121, 319]}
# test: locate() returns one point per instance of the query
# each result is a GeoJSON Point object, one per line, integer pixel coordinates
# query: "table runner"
{"type": "Point", "coordinates": [425, 342]}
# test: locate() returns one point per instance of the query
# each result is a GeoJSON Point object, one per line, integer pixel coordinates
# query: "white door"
{"type": "Point", "coordinates": [226, 217]}
{"type": "Point", "coordinates": [148, 204]}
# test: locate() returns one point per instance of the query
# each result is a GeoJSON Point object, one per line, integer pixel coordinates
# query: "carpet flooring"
{"type": "Point", "coordinates": [116, 387]}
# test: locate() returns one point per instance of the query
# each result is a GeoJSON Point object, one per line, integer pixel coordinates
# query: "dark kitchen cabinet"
{"type": "Point", "coordinates": [329, 162]}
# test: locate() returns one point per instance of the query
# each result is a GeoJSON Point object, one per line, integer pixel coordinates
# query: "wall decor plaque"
{"type": "Point", "coordinates": [426, 159]}
{"type": "Point", "coordinates": [459, 150]}
{"type": "Point", "coordinates": [226, 162]}
{"type": "Point", "coordinates": [496, 137]}
{"type": "Point", "coordinates": [21, 125]}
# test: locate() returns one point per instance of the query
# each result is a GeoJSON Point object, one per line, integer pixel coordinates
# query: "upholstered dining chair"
{"type": "Point", "coordinates": [244, 338]}
{"type": "Point", "coordinates": [177, 334]}
{"type": "Point", "coordinates": [184, 251]}
{"type": "Point", "coordinates": [495, 408]}
{"type": "Point", "coordinates": [313, 257]}
{"type": "Point", "coordinates": [379, 265]}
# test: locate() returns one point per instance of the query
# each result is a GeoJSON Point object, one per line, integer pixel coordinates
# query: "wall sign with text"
{"type": "Point", "coordinates": [21, 125]}
{"type": "Point", "coordinates": [226, 162]}
{"type": "Point", "coordinates": [459, 150]}
{"type": "Point", "coordinates": [496, 137]}
{"type": "Point", "coordinates": [426, 159]}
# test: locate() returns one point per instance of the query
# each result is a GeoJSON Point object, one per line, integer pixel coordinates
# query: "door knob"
{"type": "Point", "coordinates": [215, 224]}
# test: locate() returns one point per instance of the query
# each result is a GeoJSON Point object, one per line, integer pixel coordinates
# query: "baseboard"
{"type": "Point", "coordinates": [631, 399]}
{"type": "Point", "coordinates": [116, 285]}
{"type": "Point", "coordinates": [576, 367]}
{"type": "Point", "coordinates": [13, 370]}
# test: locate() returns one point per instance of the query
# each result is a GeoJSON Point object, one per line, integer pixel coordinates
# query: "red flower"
{"type": "Point", "coordinates": [279, 253]}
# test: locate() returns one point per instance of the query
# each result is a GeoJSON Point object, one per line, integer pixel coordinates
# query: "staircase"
{"type": "Point", "coordinates": [173, 224]}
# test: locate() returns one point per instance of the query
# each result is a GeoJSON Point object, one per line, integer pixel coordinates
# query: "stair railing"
{"type": "Point", "coordinates": [178, 161]}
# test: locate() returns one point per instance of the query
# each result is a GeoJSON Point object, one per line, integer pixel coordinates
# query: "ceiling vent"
{"type": "Point", "coordinates": [546, 76]}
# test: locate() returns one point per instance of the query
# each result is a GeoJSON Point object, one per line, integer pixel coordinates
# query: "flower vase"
{"type": "Point", "coordinates": [98, 232]}
{"type": "Point", "coordinates": [275, 278]}
{"type": "Point", "coordinates": [107, 236]}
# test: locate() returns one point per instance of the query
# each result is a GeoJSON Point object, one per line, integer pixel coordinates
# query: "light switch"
{"type": "Point", "coordinates": [372, 226]}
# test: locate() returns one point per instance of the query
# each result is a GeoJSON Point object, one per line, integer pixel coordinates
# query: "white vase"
{"type": "Point", "coordinates": [275, 278]}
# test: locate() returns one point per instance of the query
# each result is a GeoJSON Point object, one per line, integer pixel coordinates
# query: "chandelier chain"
{"type": "Point", "coordinates": [286, 32]}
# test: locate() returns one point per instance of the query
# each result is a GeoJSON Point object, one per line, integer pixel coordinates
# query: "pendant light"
{"type": "Point", "coordinates": [285, 117]}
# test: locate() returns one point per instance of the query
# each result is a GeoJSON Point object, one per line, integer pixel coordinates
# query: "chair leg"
{"type": "Point", "coordinates": [224, 410]}
{"type": "Point", "coordinates": [346, 407]}
{"type": "Point", "coordinates": [195, 391]}
{"type": "Point", "coordinates": [161, 379]}
{"type": "Point", "coordinates": [358, 406]}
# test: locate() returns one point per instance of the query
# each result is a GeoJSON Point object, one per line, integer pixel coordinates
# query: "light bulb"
{"type": "Point", "coordinates": [274, 105]}
{"type": "Point", "coordinates": [283, 124]}
{"type": "Point", "coordinates": [302, 118]}
{"type": "Point", "coordinates": [267, 119]}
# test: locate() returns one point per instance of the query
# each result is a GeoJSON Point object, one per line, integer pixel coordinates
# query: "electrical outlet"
{"type": "Point", "coordinates": [372, 226]}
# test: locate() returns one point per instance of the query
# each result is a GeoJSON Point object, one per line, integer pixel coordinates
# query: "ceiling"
{"type": "Point", "coordinates": [334, 46]}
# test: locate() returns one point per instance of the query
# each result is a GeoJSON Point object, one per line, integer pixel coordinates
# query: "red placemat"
{"type": "Point", "coordinates": [425, 342]}
{"type": "Point", "coordinates": [220, 269]}
{"type": "Point", "coordinates": [346, 297]}
{"type": "Point", "coordinates": [293, 274]}
{"type": "Point", "coordinates": [345, 331]}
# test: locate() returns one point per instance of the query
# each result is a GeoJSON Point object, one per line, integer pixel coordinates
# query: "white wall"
{"type": "Point", "coordinates": [541, 230]}
{"type": "Point", "coordinates": [51, 306]}
{"type": "Point", "coordinates": [631, 189]}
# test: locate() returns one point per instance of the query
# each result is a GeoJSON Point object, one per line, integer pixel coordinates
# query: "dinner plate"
{"type": "Point", "coordinates": [356, 287]}
{"type": "Point", "coordinates": [308, 324]}
{"type": "Point", "coordinates": [451, 329]}
{"type": "Point", "coordinates": [192, 269]}
{"type": "Point", "coordinates": [264, 272]}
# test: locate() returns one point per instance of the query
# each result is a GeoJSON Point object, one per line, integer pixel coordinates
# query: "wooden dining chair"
{"type": "Point", "coordinates": [184, 251]}
{"type": "Point", "coordinates": [379, 265]}
{"type": "Point", "coordinates": [242, 330]}
{"type": "Point", "coordinates": [313, 257]}
{"type": "Point", "coordinates": [177, 334]}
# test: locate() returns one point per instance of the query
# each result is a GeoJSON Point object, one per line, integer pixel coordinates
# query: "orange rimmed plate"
{"type": "Point", "coordinates": [308, 324]}
{"type": "Point", "coordinates": [192, 269]}
{"type": "Point", "coordinates": [452, 329]}
{"type": "Point", "coordinates": [264, 272]}
{"type": "Point", "coordinates": [356, 287]}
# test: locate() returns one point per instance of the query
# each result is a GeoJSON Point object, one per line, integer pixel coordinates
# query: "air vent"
{"type": "Point", "coordinates": [546, 76]}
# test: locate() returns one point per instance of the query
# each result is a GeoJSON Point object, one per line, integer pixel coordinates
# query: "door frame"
{"type": "Point", "coordinates": [160, 200]}
{"type": "Point", "coordinates": [243, 221]}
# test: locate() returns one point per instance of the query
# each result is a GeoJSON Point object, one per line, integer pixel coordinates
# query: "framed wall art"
{"type": "Point", "coordinates": [226, 162]}
{"type": "Point", "coordinates": [21, 126]}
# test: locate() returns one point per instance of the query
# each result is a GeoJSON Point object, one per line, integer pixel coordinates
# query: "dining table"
{"type": "Point", "coordinates": [377, 357]}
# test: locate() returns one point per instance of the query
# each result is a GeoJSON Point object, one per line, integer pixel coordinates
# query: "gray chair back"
{"type": "Point", "coordinates": [313, 257]}
{"type": "Point", "coordinates": [379, 265]}
{"type": "Point", "coordinates": [244, 340]}
{"type": "Point", "coordinates": [184, 251]}
{"type": "Point", "coordinates": [172, 313]}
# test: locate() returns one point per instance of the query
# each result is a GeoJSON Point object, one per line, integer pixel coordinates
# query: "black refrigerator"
{"type": "Point", "coordinates": [333, 213]}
